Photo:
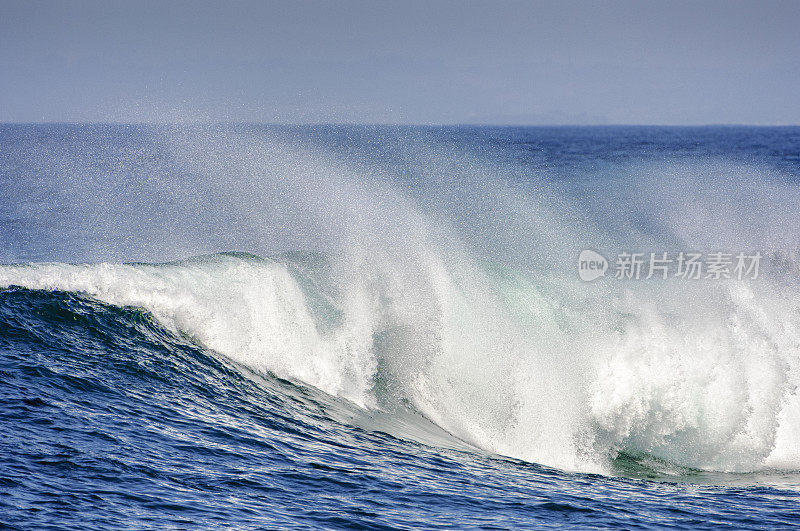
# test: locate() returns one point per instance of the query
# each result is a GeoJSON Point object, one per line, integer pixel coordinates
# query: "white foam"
{"type": "Point", "coordinates": [252, 312]}
{"type": "Point", "coordinates": [496, 359]}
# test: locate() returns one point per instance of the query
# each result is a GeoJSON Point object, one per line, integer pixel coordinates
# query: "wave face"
{"type": "Point", "coordinates": [402, 318]}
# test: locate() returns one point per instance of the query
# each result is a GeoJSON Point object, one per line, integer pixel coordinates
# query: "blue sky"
{"type": "Point", "coordinates": [401, 62]}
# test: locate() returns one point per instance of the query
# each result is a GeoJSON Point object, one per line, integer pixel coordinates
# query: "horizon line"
{"type": "Point", "coordinates": [385, 124]}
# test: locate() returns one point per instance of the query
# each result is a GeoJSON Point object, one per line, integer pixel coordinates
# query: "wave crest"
{"type": "Point", "coordinates": [513, 363]}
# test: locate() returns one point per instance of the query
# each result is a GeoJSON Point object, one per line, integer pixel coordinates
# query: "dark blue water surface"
{"type": "Point", "coordinates": [113, 419]}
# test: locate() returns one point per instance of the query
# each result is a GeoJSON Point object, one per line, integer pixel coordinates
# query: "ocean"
{"type": "Point", "coordinates": [244, 326]}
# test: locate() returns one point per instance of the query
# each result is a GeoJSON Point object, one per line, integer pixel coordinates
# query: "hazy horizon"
{"type": "Point", "coordinates": [397, 124]}
{"type": "Point", "coordinates": [432, 63]}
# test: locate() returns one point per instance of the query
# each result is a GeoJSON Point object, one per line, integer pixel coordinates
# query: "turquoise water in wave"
{"type": "Point", "coordinates": [383, 327]}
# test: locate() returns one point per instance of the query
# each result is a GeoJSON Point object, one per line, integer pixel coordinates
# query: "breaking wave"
{"type": "Point", "coordinates": [444, 287]}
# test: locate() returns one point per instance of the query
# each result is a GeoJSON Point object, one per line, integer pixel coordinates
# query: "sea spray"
{"type": "Point", "coordinates": [445, 286]}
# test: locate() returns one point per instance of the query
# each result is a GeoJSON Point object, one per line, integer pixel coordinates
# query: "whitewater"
{"type": "Point", "coordinates": [414, 294]}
